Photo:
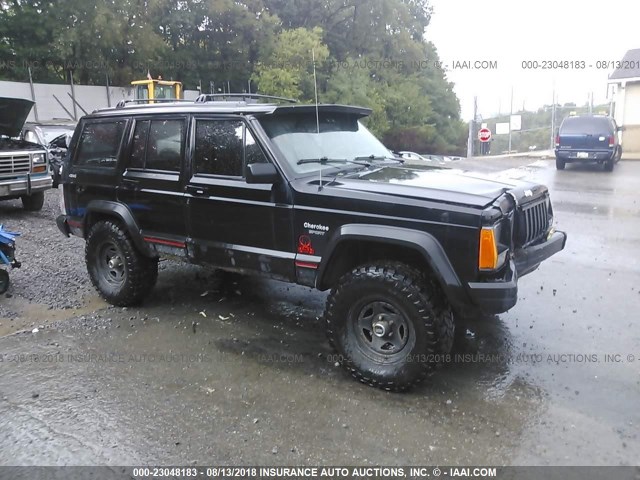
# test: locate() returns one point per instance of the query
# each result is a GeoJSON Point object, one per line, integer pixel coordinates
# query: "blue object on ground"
{"type": "Point", "coordinates": [7, 237]}
{"type": "Point", "coordinates": [7, 242]}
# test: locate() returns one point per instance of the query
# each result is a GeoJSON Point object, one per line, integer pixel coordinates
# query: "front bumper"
{"type": "Point", "coordinates": [12, 188]}
{"type": "Point", "coordinates": [500, 296]}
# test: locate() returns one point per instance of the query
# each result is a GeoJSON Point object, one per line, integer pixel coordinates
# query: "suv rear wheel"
{"type": "Point", "coordinates": [608, 165]}
{"type": "Point", "coordinates": [388, 325]}
{"type": "Point", "coordinates": [560, 164]}
{"type": "Point", "coordinates": [121, 274]}
{"type": "Point", "coordinates": [33, 202]}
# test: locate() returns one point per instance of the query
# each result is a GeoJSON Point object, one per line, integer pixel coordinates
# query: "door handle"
{"type": "Point", "coordinates": [128, 184]}
{"type": "Point", "coordinates": [197, 191]}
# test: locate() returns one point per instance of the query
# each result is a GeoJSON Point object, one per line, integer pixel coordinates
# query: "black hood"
{"type": "Point", "coordinates": [13, 114]}
{"type": "Point", "coordinates": [451, 186]}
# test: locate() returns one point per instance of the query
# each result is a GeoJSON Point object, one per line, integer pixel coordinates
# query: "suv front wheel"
{"type": "Point", "coordinates": [387, 326]}
{"type": "Point", "coordinates": [121, 274]}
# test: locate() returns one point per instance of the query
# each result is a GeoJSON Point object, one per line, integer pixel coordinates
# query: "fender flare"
{"type": "Point", "coordinates": [121, 212]}
{"type": "Point", "coordinates": [424, 243]}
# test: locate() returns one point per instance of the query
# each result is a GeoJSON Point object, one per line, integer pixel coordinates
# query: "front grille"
{"type": "Point", "coordinates": [534, 222]}
{"type": "Point", "coordinates": [16, 164]}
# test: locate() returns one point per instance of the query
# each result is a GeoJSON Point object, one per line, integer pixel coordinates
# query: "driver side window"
{"type": "Point", "coordinates": [224, 148]}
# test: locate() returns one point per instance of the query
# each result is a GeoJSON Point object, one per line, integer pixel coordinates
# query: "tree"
{"type": "Point", "coordinates": [288, 71]}
{"type": "Point", "coordinates": [368, 52]}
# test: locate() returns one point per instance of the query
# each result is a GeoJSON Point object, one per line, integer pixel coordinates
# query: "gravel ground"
{"type": "Point", "coordinates": [53, 285]}
{"type": "Point", "coordinates": [53, 273]}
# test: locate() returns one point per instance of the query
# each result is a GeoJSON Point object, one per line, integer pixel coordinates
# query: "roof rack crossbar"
{"type": "Point", "coordinates": [124, 103]}
{"type": "Point", "coordinates": [209, 97]}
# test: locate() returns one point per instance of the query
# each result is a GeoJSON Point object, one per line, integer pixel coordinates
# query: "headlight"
{"type": "Point", "coordinates": [38, 158]}
{"type": "Point", "coordinates": [38, 163]}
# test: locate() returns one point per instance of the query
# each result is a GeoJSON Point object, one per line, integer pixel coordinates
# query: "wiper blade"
{"type": "Point", "coordinates": [325, 161]}
{"type": "Point", "coordinates": [379, 158]}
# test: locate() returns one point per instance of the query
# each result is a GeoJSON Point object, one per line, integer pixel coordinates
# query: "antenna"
{"type": "Point", "coordinates": [315, 86]}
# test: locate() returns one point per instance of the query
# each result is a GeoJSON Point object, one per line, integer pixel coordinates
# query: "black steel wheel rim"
{"type": "Point", "coordinates": [382, 330]}
{"type": "Point", "coordinates": [111, 264]}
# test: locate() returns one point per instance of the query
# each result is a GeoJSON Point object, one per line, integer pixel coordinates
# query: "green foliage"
{"type": "Point", "coordinates": [366, 53]}
{"type": "Point", "coordinates": [288, 71]}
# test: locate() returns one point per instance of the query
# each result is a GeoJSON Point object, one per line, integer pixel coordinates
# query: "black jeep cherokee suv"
{"type": "Point", "coordinates": [307, 196]}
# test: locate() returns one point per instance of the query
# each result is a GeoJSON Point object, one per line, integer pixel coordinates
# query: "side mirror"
{"type": "Point", "coordinates": [262, 173]}
{"type": "Point", "coordinates": [620, 129]}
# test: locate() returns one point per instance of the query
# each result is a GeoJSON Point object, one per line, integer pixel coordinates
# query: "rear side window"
{"type": "Point", "coordinates": [99, 144]}
{"type": "Point", "coordinates": [157, 145]}
{"type": "Point", "coordinates": [225, 147]}
{"type": "Point", "coordinates": [586, 126]}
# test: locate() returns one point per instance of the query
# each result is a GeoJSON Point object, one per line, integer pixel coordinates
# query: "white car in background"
{"type": "Point", "coordinates": [413, 156]}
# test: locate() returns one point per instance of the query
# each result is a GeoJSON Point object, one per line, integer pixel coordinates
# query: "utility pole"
{"type": "Point", "coordinates": [510, 115]}
{"type": "Point", "coordinates": [553, 119]}
{"type": "Point", "coordinates": [611, 95]}
{"type": "Point", "coordinates": [33, 95]}
{"type": "Point", "coordinates": [73, 96]}
{"type": "Point", "coordinates": [108, 90]}
{"type": "Point", "coordinates": [472, 129]}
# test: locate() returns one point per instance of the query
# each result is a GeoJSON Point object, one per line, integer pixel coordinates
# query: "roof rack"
{"type": "Point", "coordinates": [124, 103]}
{"type": "Point", "coordinates": [211, 97]}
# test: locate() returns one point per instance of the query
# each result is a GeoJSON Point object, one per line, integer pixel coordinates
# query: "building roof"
{"type": "Point", "coordinates": [629, 67]}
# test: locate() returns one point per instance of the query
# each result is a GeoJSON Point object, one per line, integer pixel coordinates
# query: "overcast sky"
{"type": "Point", "coordinates": [510, 32]}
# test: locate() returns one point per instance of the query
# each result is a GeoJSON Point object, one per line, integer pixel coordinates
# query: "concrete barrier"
{"type": "Point", "coordinates": [53, 101]}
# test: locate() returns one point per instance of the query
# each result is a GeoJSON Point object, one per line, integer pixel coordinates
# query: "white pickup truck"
{"type": "Point", "coordinates": [24, 169]}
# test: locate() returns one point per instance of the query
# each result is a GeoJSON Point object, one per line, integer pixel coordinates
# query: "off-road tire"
{"type": "Point", "coordinates": [429, 322]}
{"type": "Point", "coordinates": [4, 281]}
{"type": "Point", "coordinates": [560, 164]}
{"type": "Point", "coordinates": [33, 202]}
{"type": "Point", "coordinates": [131, 277]}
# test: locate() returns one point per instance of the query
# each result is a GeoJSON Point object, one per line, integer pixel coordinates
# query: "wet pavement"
{"type": "Point", "coordinates": [237, 371]}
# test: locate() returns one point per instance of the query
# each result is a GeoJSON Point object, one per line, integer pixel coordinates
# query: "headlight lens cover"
{"type": "Point", "coordinates": [38, 158]}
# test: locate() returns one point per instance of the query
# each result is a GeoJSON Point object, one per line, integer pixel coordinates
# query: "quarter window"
{"type": "Point", "coordinates": [99, 144]}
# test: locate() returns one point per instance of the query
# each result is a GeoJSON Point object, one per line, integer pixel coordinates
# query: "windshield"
{"type": "Point", "coordinates": [165, 91]}
{"type": "Point", "coordinates": [342, 137]}
{"type": "Point", "coordinates": [586, 126]}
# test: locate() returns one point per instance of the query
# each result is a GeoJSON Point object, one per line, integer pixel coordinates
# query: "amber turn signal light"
{"type": "Point", "coordinates": [39, 169]}
{"type": "Point", "coordinates": [488, 255]}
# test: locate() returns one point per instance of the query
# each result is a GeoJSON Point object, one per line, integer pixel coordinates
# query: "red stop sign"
{"type": "Point", "coordinates": [484, 135]}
